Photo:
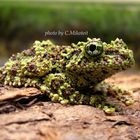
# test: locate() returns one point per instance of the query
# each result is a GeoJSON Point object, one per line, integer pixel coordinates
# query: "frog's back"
{"type": "Point", "coordinates": [40, 60]}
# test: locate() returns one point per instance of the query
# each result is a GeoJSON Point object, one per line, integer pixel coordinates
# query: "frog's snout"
{"type": "Point", "coordinates": [130, 57]}
{"type": "Point", "coordinates": [126, 58]}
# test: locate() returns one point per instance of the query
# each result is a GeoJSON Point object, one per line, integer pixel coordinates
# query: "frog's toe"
{"type": "Point", "coordinates": [125, 96]}
{"type": "Point", "coordinates": [127, 100]}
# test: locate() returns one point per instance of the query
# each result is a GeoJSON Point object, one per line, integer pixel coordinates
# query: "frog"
{"type": "Point", "coordinates": [72, 74]}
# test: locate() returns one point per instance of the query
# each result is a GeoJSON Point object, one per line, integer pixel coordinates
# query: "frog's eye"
{"type": "Point", "coordinates": [94, 49]}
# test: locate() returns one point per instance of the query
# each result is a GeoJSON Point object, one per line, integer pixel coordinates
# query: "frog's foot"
{"type": "Point", "coordinates": [122, 95]}
{"type": "Point", "coordinates": [97, 101]}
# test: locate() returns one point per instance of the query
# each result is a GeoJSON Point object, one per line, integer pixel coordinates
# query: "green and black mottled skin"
{"type": "Point", "coordinates": [71, 74]}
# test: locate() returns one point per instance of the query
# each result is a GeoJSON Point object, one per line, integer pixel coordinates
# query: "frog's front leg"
{"type": "Point", "coordinates": [61, 90]}
{"type": "Point", "coordinates": [121, 94]}
{"type": "Point", "coordinates": [57, 87]}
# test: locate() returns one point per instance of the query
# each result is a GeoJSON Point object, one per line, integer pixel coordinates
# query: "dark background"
{"type": "Point", "coordinates": [21, 23]}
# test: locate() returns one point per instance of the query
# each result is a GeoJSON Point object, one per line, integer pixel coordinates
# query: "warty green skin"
{"type": "Point", "coordinates": [68, 74]}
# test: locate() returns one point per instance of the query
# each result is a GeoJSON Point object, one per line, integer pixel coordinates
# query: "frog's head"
{"type": "Point", "coordinates": [94, 60]}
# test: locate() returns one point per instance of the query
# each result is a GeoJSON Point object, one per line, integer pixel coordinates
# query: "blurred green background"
{"type": "Point", "coordinates": [23, 22]}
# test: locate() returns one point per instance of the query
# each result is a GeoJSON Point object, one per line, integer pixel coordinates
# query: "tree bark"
{"type": "Point", "coordinates": [25, 113]}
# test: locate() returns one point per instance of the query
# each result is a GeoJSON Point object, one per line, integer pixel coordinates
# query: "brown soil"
{"type": "Point", "coordinates": [27, 114]}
